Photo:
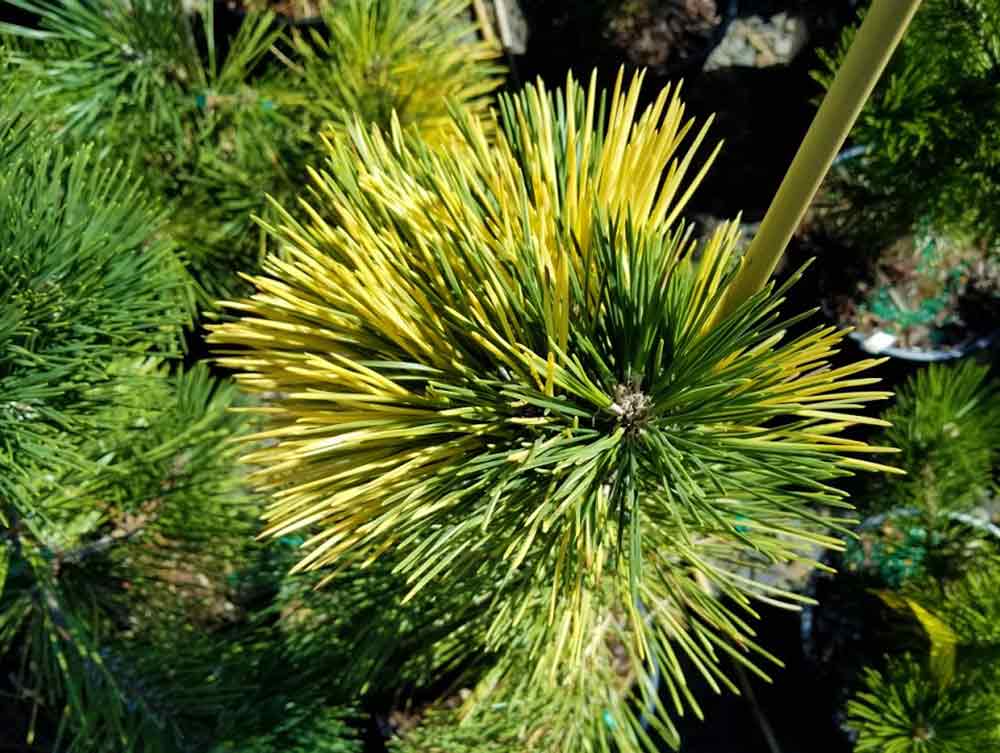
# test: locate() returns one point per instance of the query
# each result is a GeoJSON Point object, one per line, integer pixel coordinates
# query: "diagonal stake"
{"type": "Point", "coordinates": [867, 57]}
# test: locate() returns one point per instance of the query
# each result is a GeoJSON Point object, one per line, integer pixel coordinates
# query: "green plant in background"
{"type": "Point", "coordinates": [87, 288]}
{"type": "Point", "coordinates": [970, 605]}
{"type": "Point", "coordinates": [940, 693]}
{"type": "Point", "coordinates": [946, 698]}
{"type": "Point", "coordinates": [410, 57]}
{"type": "Point", "coordinates": [302, 729]}
{"type": "Point", "coordinates": [930, 129]}
{"type": "Point", "coordinates": [392, 642]}
{"type": "Point", "coordinates": [905, 708]}
{"type": "Point", "coordinates": [500, 728]}
{"type": "Point", "coordinates": [111, 584]}
{"type": "Point", "coordinates": [498, 367]}
{"type": "Point", "coordinates": [83, 281]}
{"type": "Point", "coordinates": [213, 122]}
{"type": "Point", "coordinates": [121, 511]}
{"type": "Point", "coordinates": [917, 198]}
{"type": "Point", "coordinates": [132, 78]}
{"type": "Point", "coordinates": [946, 424]}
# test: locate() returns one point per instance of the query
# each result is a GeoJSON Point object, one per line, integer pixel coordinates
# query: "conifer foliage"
{"type": "Point", "coordinates": [216, 112]}
{"type": "Point", "coordinates": [123, 516]}
{"type": "Point", "coordinates": [499, 366]}
{"type": "Point", "coordinates": [84, 280]}
{"type": "Point", "coordinates": [138, 139]}
{"type": "Point", "coordinates": [939, 693]}
{"type": "Point", "coordinates": [930, 129]}
{"type": "Point", "coordinates": [946, 424]}
{"type": "Point", "coordinates": [906, 709]}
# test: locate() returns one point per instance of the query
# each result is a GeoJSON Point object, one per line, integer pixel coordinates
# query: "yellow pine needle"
{"type": "Point", "coordinates": [463, 350]}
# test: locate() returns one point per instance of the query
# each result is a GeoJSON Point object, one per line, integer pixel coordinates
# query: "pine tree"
{"type": "Point", "coordinates": [124, 521]}
{"type": "Point", "coordinates": [215, 120]}
{"type": "Point", "coordinates": [930, 131]}
{"type": "Point", "coordinates": [938, 692]}
{"type": "Point", "coordinates": [498, 367]}
{"type": "Point", "coordinates": [940, 695]}
{"type": "Point", "coordinates": [906, 709]}
{"type": "Point", "coordinates": [136, 612]}
{"type": "Point", "coordinates": [946, 424]}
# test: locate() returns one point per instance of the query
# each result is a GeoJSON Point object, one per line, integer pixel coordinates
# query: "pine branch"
{"type": "Point", "coordinates": [494, 366]}
{"type": "Point", "coordinates": [127, 528]}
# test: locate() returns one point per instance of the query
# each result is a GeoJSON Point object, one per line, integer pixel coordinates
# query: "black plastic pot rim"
{"type": "Point", "coordinates": [925, 356]}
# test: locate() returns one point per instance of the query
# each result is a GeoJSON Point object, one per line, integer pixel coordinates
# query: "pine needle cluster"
{"type": "Point", "coordinates": [906, 709]}
{"type": "Point", "coordinates": [125, 525]}
{"type": "Point", "coordinates": [947, 699]}
{"type": "Point", "coordinates": [215, 112]}
{"type": "Point", "coordinates": [498, 366]}
{"type": "Point", "coordinates": [946, 424]}
{"type": "Point", "coordinates": [940, 694]}
{"type": "Point", "coordinates": [84, 280]}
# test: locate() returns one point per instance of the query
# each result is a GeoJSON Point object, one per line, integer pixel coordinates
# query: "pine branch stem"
{"type": "Point", "coordinates": [876, 40]}
{"type": "Point", "coordinates": [765, 725]}
{"type": "Point", "coordinates": [128, 528]}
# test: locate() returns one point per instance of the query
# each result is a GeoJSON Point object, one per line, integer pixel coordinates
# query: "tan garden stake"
{"type": "Point", "coordinates": [883, 28]}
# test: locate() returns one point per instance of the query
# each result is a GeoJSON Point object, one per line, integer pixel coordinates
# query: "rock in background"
{"type": "Point", "coordinates": [759, 42]}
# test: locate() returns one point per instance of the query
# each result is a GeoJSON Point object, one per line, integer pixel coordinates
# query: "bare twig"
{"type": "Point", "coordinates": [765, 726]}
{"type": "Point", "coordinates": [128, 527]}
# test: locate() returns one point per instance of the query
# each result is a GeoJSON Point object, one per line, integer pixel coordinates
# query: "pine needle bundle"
{"type": "Point", "coordinates": [499, 365]}
{"type": "Point", "coordinates": [946, 424]}
{"type": "Point", "coordinates": [84, 279]}
{"type": "Point", "coordinates": [906, 709]}
{"type": "Point", "coordinates": [948, 702]}
{"type": "Point", "coordinates": [214, 119]}
{"type": "Point", "coordinates": [374, 58]}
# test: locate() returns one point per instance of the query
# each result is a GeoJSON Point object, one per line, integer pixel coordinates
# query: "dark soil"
{"type": "Point", "coordinates": [662, 35]}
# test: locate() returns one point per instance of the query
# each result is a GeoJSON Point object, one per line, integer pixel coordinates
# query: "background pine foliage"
{"type": "Point", "coordinates": [136, 612]}
{"type": "Point", "coordinates": [930, 128]}
{"type": "Point", "coordinates": [85, 279]}
{"type": "Point", "coordinates": [944, 698]}
{"type": "Point", "coordinates": [946, 424]}
{"type": "Point", "coordinates": [906, 709]}
{"type": "Point", "coordinates": [408, 57]}
{"type": "Point", "coordinates": [499, 728]}
{"type": "Point", "coordinates": [125, 527]}
{"type": "Point", "coordinates": [216, 112]}
{"type": "Point", "coordinates": [938, 690]}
